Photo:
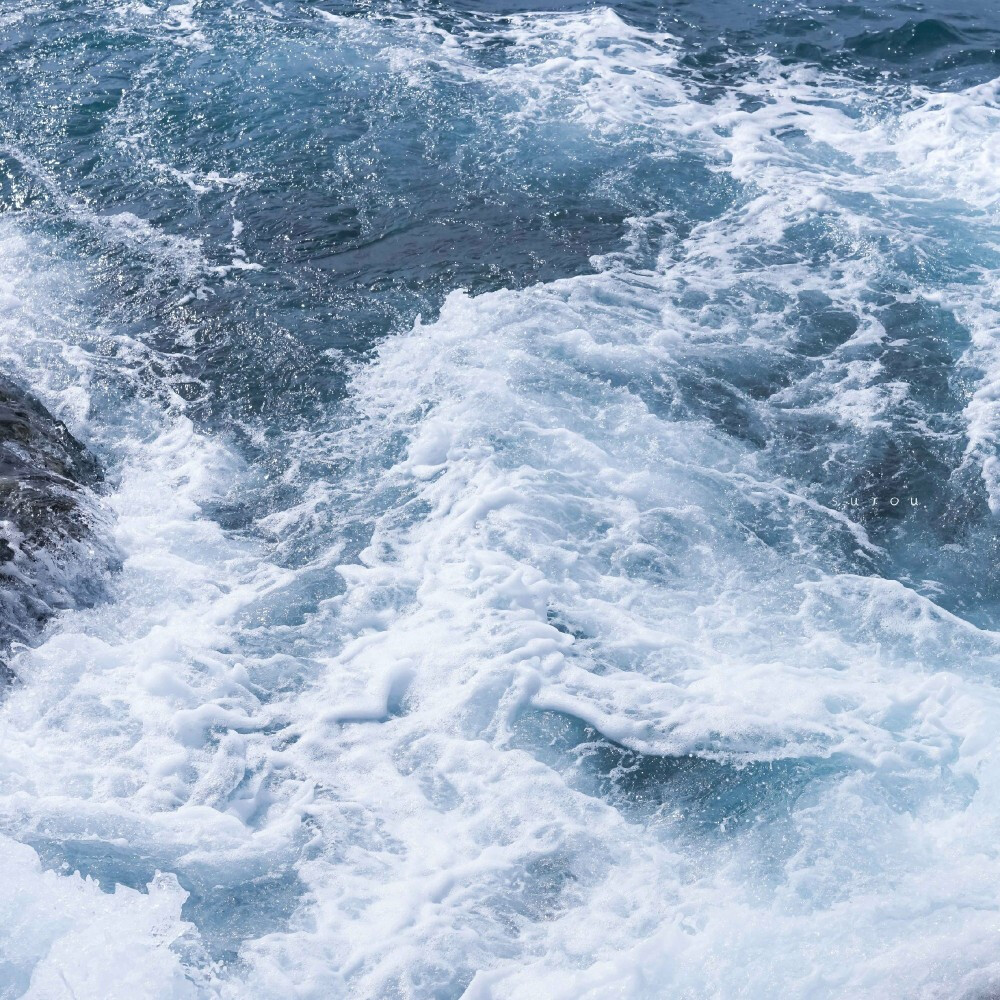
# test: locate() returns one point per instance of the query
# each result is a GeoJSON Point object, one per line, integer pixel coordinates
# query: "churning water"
{"type": "Point", "coordinates": [549, 525]}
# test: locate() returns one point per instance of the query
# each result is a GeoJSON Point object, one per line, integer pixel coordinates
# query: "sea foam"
{"type": "Point", "coordinates": [574, 674]}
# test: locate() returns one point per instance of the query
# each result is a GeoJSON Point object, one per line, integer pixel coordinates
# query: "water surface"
{"type": "Point", "coordinates": [552, 451]}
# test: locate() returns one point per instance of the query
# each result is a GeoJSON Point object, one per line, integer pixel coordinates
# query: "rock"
{"type": "Point", "coordinates": [52, 555]}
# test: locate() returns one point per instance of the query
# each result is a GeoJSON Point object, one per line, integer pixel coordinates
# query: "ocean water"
{"type": "Point", "coordinates": [550, 513]}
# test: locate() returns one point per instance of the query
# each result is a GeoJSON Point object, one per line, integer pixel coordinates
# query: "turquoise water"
{"type": "Point", "coordinates": [551, 465]}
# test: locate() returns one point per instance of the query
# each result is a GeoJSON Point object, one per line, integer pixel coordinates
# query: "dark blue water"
{"type": "Point", "coordinates": [552, 453]}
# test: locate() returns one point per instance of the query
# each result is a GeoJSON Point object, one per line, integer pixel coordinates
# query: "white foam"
{"type": "Point", "coordinates": [120, 702]}
{"type": "Point", "coordinates": [64, 937]}
{"type": "Point", "coordinates": [546, 535]}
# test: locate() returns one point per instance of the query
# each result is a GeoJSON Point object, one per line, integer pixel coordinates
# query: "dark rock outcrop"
{"type": "Point", "coordinates": [52, 555]}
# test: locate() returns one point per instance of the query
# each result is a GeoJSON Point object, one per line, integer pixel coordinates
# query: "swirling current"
{"type": "Point", "coordinates": [499, 500]}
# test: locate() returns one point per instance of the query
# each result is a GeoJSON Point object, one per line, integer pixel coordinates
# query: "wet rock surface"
{"type": "Point", "coordinates": [50, 556]}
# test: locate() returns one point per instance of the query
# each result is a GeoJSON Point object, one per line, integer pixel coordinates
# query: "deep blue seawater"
{"type": "Point", "coordinates": [552, 460]}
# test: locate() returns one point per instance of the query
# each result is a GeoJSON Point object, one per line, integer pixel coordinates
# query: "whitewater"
{"type": "Point", "coordinates": [549, 531]}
